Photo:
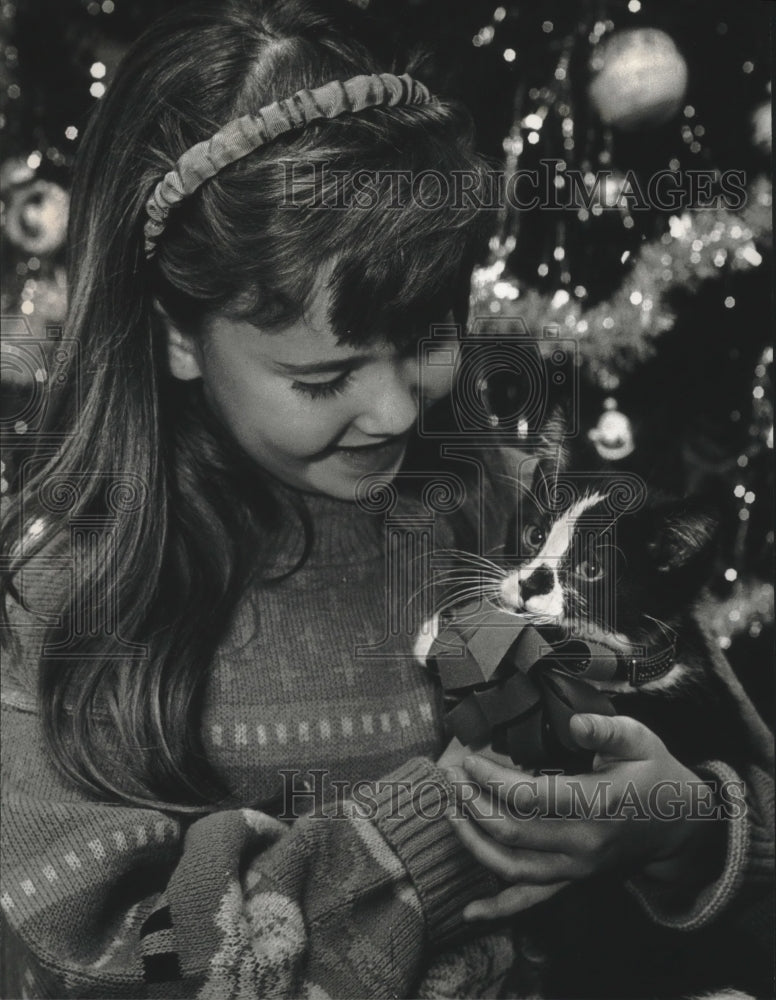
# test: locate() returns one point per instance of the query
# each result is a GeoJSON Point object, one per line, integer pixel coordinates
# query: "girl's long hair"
{"type": "Point", "coordinates": [180, 515]}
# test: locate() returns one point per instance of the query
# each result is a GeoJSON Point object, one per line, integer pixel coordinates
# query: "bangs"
{"type": "Point", "coordinates": [397, 247]}
{"type": "Point", "coordinates": [395, 286]}
{"type": "Point", "coordinates": [399, 265]}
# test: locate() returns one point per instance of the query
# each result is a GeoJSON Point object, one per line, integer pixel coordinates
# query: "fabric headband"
{"type": "Point", "coordinates": [243, 135]}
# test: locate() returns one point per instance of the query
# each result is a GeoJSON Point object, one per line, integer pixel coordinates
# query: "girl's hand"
{"type": "Point", "coordinates": [634, 812]}
{"type": "Point", "coordinates": [456, 752]}
{"type": "Point", "coordinates": [454, 755]}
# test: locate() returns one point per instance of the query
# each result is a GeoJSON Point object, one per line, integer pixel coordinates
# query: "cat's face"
{"type": "Point", "coordinates": [590, 564]}
{"type": "Point", "coordinates": [565, 561]}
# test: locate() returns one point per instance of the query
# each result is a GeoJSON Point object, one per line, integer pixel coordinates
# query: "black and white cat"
{"type": "Point", "coordinates": [625, 574]}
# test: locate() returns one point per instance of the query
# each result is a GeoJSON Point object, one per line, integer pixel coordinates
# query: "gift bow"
{"type": "Point", "coordinates": [516, 685]}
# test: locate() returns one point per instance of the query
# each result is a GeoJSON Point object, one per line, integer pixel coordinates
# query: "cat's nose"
{"type": "Point", "coordinates": [541, 581]}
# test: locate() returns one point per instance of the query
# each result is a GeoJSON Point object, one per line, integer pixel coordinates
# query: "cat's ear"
{"type": "Point", "coordinates": [552, 451]}
{"type": "Point", "coordinates": [684, 535]}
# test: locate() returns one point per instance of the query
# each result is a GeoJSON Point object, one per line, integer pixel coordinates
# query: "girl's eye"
{"type": "Point", "coordinates": [533, 537]}
{"type": "Point", "coordinates": [320, 390]}
{"type": "Point", "coordinates": [589, 570]}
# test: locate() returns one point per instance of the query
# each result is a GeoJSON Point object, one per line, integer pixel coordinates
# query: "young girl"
{"type": "Point", "coordinates": [219, 758]}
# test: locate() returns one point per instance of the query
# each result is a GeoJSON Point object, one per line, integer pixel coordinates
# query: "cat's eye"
{"type": "Point", "coordinates": [533, 537]}
{"type": "Point", "coordinates": [589, 570]}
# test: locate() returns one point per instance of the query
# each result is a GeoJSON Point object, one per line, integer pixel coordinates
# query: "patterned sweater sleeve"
{"type": "Point", "coordinates": [109, 901]}
{"type": "Point", "coordinates": [104, 900]}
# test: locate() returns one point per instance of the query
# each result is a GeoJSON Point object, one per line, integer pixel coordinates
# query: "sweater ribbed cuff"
{"type": "Point", "coordinates": [713, 898]}
{"type": "Point", "coordinates": [411, 814]}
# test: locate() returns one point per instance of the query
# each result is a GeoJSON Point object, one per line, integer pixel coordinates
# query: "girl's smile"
{"type": "Point", "coordinates": [379, 457]}
{"type": "Point", "coordinates": [315, 413]}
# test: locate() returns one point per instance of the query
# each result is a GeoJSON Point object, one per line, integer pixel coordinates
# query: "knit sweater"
{"type": "Point", "coordinates": [314, 692]}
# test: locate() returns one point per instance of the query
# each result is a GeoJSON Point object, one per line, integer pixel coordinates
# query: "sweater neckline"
{"type": "Point", "coordinates": [339, 532]}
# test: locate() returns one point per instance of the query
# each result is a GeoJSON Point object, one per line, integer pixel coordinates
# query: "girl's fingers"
{"type": "Point", "coordinates": [502, 779]}
{"type": "Point", "coordinates": [510, 818]}
{"type": "Point", "coordinates": [513, 900]}
{"type": "Point", "coordinates": [617, 737]}
{"type": "Point", "coordinates": [541, 824]}
{"type": "Point", "coordinates": [525, 794]}
{"type": "Point", "coordinates": [494, 817]}
{"type": "Point", "coordinates": [511, 865]}
{"type": "Point", "coordinates": [470, 798]}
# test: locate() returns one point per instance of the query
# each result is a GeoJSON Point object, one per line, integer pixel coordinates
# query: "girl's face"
{"type": "Point", "coordinates": [316, 414]}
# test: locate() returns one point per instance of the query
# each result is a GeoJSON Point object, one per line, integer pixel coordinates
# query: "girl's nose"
{"type": "Point", "coordinates": [390, 400]}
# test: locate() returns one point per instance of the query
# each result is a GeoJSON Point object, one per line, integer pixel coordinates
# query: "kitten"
{"type": "Point", "coordinates": [627, 576]}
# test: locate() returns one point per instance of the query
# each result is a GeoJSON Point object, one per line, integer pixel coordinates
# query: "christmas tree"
{"type": "Point", "coordinates": [633, 138]}
{"type": "Point", "coordinates": [646, 130]}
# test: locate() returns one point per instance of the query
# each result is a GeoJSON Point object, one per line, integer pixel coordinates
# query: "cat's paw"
{"type": "Point", "coordinates": [429, 630]}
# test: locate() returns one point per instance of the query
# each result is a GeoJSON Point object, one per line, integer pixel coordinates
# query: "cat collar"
{"type": "Point", "coordinates": [642, 669]}
{"type": "Point", "coordinates": [243, 135]}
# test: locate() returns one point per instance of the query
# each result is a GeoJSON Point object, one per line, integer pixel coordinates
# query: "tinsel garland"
{"type": "Point", "coordinates": [616, 336]}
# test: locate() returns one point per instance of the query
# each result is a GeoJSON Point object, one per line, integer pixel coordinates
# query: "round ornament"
{"type": "Point", "coordinates": [762, 132]}
{"type": "Point", "coordinates": [36, 217]}
{"type": "Point", "coordinates": [639, 79]}
{"type": "Point", "coordinates": [613, 434]}
{"type": "Point", "coordinates": [14, 172]}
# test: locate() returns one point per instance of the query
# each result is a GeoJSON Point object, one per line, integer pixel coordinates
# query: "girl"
{"type": "Point", "coordinates": [219, 767]}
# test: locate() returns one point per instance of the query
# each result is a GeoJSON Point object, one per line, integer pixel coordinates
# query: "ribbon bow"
{"type": "Point", "coordinates": [516, 685]}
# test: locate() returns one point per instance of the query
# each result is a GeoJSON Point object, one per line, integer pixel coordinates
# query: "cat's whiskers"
{"type": "Point", "coordinates": [537, 618]}
{"type": "Point", "coordinates": [462, 556]}
{"type": "Point", "coordinates": [464, 591]}
{"type": "Point", "coordinates": [466, 563]}
{"type": "Point", "coordinates": [453, 574]}
{"type": "Point", "coordinates": [459, 595]}
{"type": "Point", "coordinates": [581, 607]}
{"type": "Point", "coordinates": [466, 575]}
{"type": "Point", "coordinates": [467, 585]}
{"type": "Point", "coordinates": [470, 558]}
{"type": "Point", "coordinates": [607, 546]}
{"type": "Point", "coordinates": [576, 593]}
{"type": "Point", "coordinates": [473, 573]}
{"type": "Point", "coordinates": [473, 615]}
{"type": "Point", "coordinates": [522, 487]}
{"type": "Point", "coordinates": [464, 585]}
{"type": "Point", "coordinates": [665, 628]}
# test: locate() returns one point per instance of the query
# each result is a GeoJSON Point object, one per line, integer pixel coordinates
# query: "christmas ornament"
{"type": "Point", "coordinates": [698, 247]}
{"type": "Point", "coordinates": [35, 218]}
{"type": "Point", "coordinates": [612, 435]}
{"type": "Point", "coordinates": [640, 79]}
{"type": "Point", "coordinates": [15, 172]}
{"type": "Point", "coordinates": [762, 134]}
